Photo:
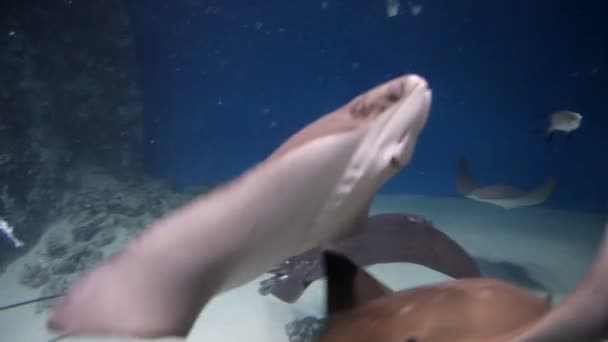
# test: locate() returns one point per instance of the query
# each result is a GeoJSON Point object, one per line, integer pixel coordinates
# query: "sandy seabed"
{"type": "Point", "coordinates": [537, 246]}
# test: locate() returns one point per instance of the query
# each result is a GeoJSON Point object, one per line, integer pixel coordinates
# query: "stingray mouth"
{"type": "Point", "coordinates": [406, 107]}
{"type": "Point", "coordinates": [411, 112]}
{"type": "Point", "coordinates": [398, 128]}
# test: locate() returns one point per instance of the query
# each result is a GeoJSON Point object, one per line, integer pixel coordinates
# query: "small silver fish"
{"type": "Point", "coordinates": [564, 121]}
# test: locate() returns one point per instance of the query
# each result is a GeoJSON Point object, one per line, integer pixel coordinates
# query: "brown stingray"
{"type": "Point", "coordinates": [361, 309]}
{"type": "Point", "coordinates": [502, 195]}
{"type": "Point", "coordinates": [385, 238]}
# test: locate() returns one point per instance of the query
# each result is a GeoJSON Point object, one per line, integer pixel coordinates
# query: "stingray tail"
{"type": "Point", "coordinates": [30, 301]}
{"type": "Point", "coordinates": [464, 182]}
{"type": "Point", "coordinates": [583, 314]}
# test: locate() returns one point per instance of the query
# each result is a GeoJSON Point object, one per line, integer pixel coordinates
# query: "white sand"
{"type": "Point", "coordinates": [554, 246]}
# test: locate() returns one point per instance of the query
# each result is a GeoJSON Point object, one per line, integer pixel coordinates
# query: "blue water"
{"type": "Point", "coordinates": [225, 82]}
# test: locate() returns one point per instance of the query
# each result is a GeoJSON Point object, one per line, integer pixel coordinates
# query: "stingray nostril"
{"type": "Point", "coordinates": [394, 92]}
{"type": "Point", "coordinates": [411, 339]}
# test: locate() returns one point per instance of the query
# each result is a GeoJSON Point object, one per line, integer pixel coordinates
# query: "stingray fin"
{"type": "Point", "coordinates": [583, 314]}
{"type": "Point", "coordinates": [348, 285]}
{"type": "Point", "coordinates": [286, 287]}
{"type": "Point", "coordinates": [541, 193]}
{"type": "Point", "coordinates": [464, 182]}
{"type": "Point", "coordinates": [408, 238]}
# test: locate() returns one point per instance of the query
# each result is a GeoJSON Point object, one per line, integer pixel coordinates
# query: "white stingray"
{"type": "Point", "coordinates": [313, 188]}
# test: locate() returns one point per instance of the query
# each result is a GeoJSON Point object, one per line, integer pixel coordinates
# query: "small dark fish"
{"type": "Point", "coordinates": [361, 309]}
{"type": "Point", "coordinates": [386, 238]}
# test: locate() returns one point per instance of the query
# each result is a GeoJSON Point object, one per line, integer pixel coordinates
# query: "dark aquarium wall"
{"type": "Point", "coordinates": [69, 95]}
{"type": "Point", "coordinates": [225, 81]}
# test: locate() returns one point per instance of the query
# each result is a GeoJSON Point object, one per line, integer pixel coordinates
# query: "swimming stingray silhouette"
{"type": "Point", "coordinates": [501, 195]}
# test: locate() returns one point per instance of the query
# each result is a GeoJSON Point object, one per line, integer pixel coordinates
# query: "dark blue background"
{"type": "Point", "coordinates": [220, 93]}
